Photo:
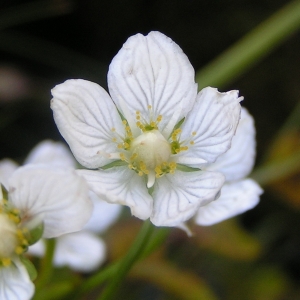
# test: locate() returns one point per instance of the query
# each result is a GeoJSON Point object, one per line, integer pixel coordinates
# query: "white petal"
{"type": "Point", "coordinates": [81, 251]}
{"type": "Point", "coordinates": [15, 283]}
{"type": "Point", "coordinates": [52, 153]}
{"type": "Point", "coordinates": [7, 167]}
{"type": "Point", "coordinates": [104, 214]}
{"type": "Point", "coordinates": [235, 199]}
{"type": "Point", "coordinates": [86, 117]}
{"type": "Point", "coordinates": [238, 161]}
{"type": "Point", "coordinates": [213, 120]}
{"type": "Point", "coordinates": [152, 70]}
{"type": "Point", "coordinates": [37, 249]}
{"type": "Point", "coordinates": [56, 196]}
{"type": "Point", "coordinates": [177, 197]}
{"type": "Point", "coordinates": [121, 185]}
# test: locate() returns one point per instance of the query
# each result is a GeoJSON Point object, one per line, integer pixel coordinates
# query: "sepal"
{"type": "Point", "coordinates": [32, 272]}
{"type": "Point", "coordinates": [35, 234]}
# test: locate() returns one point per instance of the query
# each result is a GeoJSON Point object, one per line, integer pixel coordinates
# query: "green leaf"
{"type": "Point", "coordinates": [182, 284]}
{"type": "Point", "coordinates": [29, 267]}
{"type": "Point", "coordinates": [228, 239]}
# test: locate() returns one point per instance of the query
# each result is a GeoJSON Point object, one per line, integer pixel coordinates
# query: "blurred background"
{"type": "Point", "coordinates": [254, 256]}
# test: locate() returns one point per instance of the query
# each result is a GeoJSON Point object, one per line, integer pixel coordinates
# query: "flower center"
{"type": "Point", "coordinates": [12, 238]}
{"type": "Point", "coordinates": [150, 150]}
{"type": "Point", "coordinates": [150, 153]}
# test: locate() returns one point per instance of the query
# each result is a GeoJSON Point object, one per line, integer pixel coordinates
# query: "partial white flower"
{"type": "Point", "coordinates": [152, 123]}
{"type": "Point", "coordinates": [82, 251]}
{"type": "Point", "coordinates": [15, 283]}
{"type": "Point", "coordinates": [238, 194]}
{"type": "Point", "coordinates": [38, 195]}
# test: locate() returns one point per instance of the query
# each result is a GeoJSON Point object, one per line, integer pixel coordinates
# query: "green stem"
{"type": "Point", "coordinates": [127, 262]}
{"type": "Point", "coordinates": [46, 269]}
{"type": "Point", "coordinates": [254, 46]}
{"type": "Point", "coordinates": [158, 238]}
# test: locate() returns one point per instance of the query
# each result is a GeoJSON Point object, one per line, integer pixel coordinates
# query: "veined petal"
{"type": "Point", "coordinates": [211, 124]}
{"type": "Point", "coordinates": [87, 119]}
{"type": "Point", "coordinates": [238, 161]}
{"type": "Point", "coordinates": [52, 153]}
{"type": "Point", "coordinates": [58, 197]}
{"type": "Point", "coordinates": [121, 185]}
{"type": "Point", "coordinates": [152, 71]}
{"type": "Point", "coordinates": [104, 214]}
{"type": "Point", "coordinates": [235, 198]}
{"type": "Point", "coordinates": [81, 251]}
{"type": "Point", "coordinates": [15, 283]}
{"type": "Point", "coordinates": [7, 167]}
{"type": "Point", "coordinates": [177, 197]}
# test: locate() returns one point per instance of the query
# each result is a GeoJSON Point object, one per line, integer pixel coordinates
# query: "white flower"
{"type": "Point", "coordinates": [151, 125]}
{"type": "Point", "coordinates": [82, 251]}
{"type": "Point", "coordinates": [238, 194]}
{"type": "Point", "coordinates": [56, 199]}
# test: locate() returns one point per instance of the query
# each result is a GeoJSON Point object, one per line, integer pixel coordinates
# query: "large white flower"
{"type": "Point", "coordinates": [38, 196]}
{"type": "Point", "coordinates": [149, 132]}
{"type": "Point", "coordinates": [238, 193]}
{"type": "Point", "coordinates": [82, 251]}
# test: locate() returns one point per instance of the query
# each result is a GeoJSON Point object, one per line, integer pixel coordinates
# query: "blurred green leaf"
{"type": "Point", "coordinates": [184, 285]}
{"type": "Point", "coordinates": [227, 238]}
{"type": "Point", "coordinates": [264, 283]}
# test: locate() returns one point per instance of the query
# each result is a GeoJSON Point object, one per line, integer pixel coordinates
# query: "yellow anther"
{"type": "Point", "coordinates": [137, 112]}
{"type": "Point", "coordinates": [172, 165]}
{"type": "Point", "coordinates": [15, 211]}
{"type": "Point", "coordinates": [113, 129]}
{"type": "Point", "coordinates": [19, 250]}
{"type": "Point", "coordinates": [140, 173]}
{"type": "Point", "coordinates": [114, 139]}
{"type": "Point", "coordinates": [15, 219]}
{"type": "Point", "coordinates": [124, 122]}
{"type": "Point", "coordinates": [149, 106]}
{"type": "Point", "coordinates": [122, 156]}
{"type": "Point", "coordinates": [194, 133]}
{"type": "Point", "coordinates": [192, 142]}
{"type": "Point", "coordinates": [130, 166]}
{"type": "Point", "coordinates": [159, 118]}
{"type": "Point", "coordinates": [6, 262]}
{"type": "Point", "coordinates": [120, 146]}
{"type": "Point", "coordinates": [126, 145]}
{"type": "Point", "coordinates": [138, 117]}
{"type": "Point", "coordinates": [133, 156]}
{"type": "Point", "coordinates": [127, 128]}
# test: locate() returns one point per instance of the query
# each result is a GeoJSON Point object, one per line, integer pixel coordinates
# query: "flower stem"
{"type": "Point", "coordinates": [46, 268]}
{"type": "Point", "coordinates": [127, 262]}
